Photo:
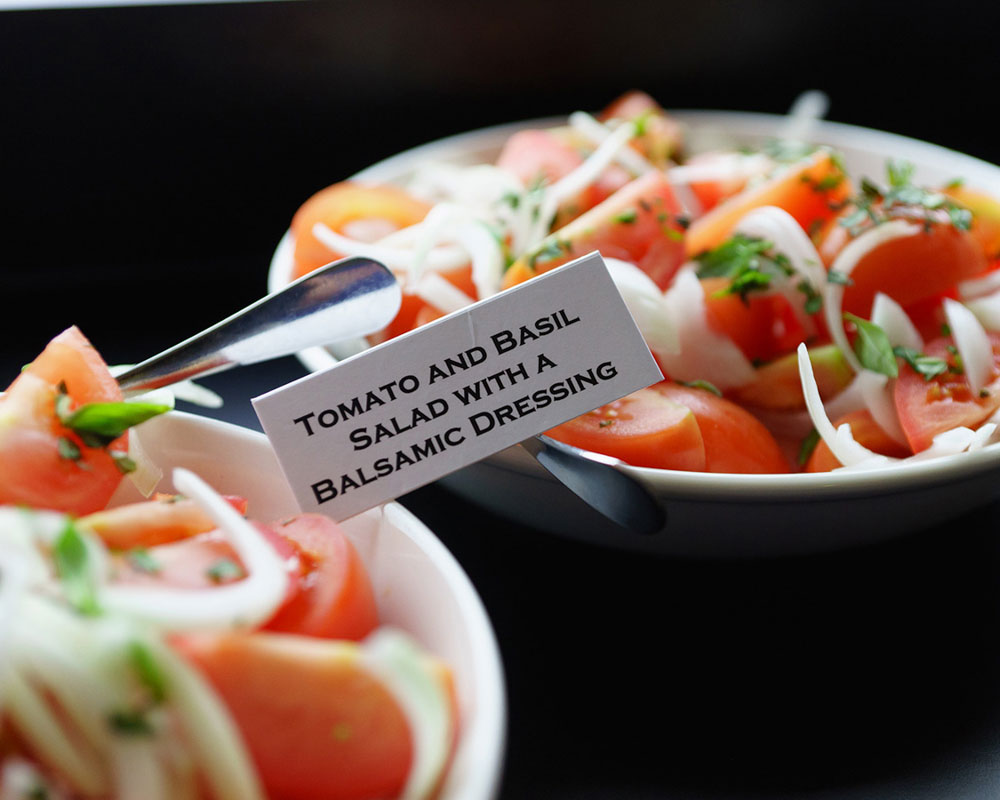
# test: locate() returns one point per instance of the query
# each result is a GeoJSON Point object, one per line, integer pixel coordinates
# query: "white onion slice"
{"type": "Point", "coordinates": [646, 304]}
{"type": "Point", "coordinates": [392, 657]}
{"type": "Point", "coordinates": [440, 258]}
{"type": "Point", "coordinates": [844, 264]}
{"type": "Point", "coordinates": [597, 132]}
{"type": "Point", "coordinates": [896, 324]}
{"type": "Point", "coordinates": [440, 293]}
{"type": "Point", "coordinates": [704, 353]}
{"type": "Point", "coordinates": [977, 287]}
{"type": "Point", "coordinates": [242, 603]}
{"type": "Point", "coordinates": [973, 344]}
{"type": "Point", "coordinates": [877, 393]}
{"type": "Point", "coordinates": [800, 123]}
{"type": "Point", "coordinates": [987, 310]}
{"type": "Point", "coordinates": [778, 227]}
{"type": "Point", "coordinates": [947, 443]}
{"type": "Point", "coordinates": [840, 441]}
{"type": "Point", "coordinates": [723, 166]}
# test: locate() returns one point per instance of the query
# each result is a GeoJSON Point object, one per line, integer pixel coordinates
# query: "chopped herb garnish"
{"type": "Point", "coordinates": [99, 424]}
{"type": "Point", "coordinates": [627, 216]}
{"type": "Point", "coordinates": [875, 204]}
{"type": "Point", "coordinates": [814, 300]}
{"type": "Point", "coordinates": [143, 560]}
{"type": "Point", "coordinates": [549, 250]}
{"type": "Point", "coordinates": [701, 384]}
{"type": "Point", "coordinates": [68, 449]}
{"type": "Point", "coordinates": [148, 671]}
{"type": "Point", "coordinates": [225, 569]}
{"type": "Point", "coordinates": [838, 277]}
{"type": "Point", "coordinates": [748, 262]}
{"type": "Point", "coordinates": [128, 722]}
{"type": "Point", "coordinates": [808, 446]}
{"type": "Point", "coordinates": [928, 366]}
{"type": "Point", "coordinates": [123, 462]}
{"type": "Point", "coordinates": [604, 423]}
{"type": "Point", "coordinates": [872, 347]}
{"type": "Point", "coordinates": [72, 562]}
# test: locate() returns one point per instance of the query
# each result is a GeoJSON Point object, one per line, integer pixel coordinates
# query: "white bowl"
{"type": "Point", "coordinates": [723, 515]}
{"type": "Point", "coordinates": [419, 585]}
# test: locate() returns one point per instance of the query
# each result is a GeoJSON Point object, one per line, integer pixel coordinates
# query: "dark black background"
{"type": "Point", "coordinates": [152, 157]}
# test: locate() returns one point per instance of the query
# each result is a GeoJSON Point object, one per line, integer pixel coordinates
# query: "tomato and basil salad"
{"type": "Point", "coordinates": [177, 647]}
{"type": "Point", "coordinates": [804, 317]}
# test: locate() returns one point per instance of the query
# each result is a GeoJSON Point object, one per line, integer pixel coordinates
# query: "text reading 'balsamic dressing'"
{"type": "Point", "coordinates": [453, 392]}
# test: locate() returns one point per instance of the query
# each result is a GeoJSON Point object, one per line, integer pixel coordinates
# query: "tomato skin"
{"type": "Point", "coordinates": [795, 189]}
{"type": "Point", "coordinates": [645, 429]}
{"type": "Point", "coordinates": [764, 326]}
{"type": "Point", "coordinates": [318, 726]}
{"type": "Point", "coordinates": [985, 217]}
{"type": "Point", "coordinates": [335, 599]}
{"type": "Point", "coordinates": [344, 203]}
{"type": "Point", "coordinates": [662, 136]}
{"type": "Point", "coordinates": [908, 269]}
{"type": "Point", "coordinates": [735, 440]}
{"type": "Point", "coordinates": [866, 432]}
{"type": "Point", "coordinates": [32, 469]}
{"type": "Point", "coordinates": [927, 408]}
{"type": "Point", "coordinates": [636, 224]}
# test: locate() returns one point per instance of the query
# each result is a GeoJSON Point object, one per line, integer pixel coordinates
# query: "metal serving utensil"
{"type": "Point", "coordinates": [351, 298]}
{"type": "Point", "coordinates": [343, 300]}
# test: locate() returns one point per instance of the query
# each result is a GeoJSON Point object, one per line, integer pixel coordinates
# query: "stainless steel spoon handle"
{"type": "Point", "coordinates": [343, 300]}
{"type": "Point", "coordinates": [597, 480]}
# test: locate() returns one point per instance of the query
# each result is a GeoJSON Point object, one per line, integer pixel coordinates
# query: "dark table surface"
{"type": "Point", "coordinates": [152, 157]}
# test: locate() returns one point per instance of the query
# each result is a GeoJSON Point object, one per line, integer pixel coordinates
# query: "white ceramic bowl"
{"type": "Point", "coordinates": [419, 585]}
{"type": "Point", "coordinates": [714, 514]}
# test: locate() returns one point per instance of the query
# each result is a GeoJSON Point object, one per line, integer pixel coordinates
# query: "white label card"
{"type": "Point", "coordinates": [422, 405]}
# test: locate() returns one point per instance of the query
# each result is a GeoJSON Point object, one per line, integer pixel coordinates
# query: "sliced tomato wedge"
{"type": "Point", "coordinates": [42, 463]}
{"type": "Point", "coordinates": [929, 407]}
{"type": "Point", "coordinates": [661, 136]}
{"type": "Point", "coordinates": [645, 429]}
{"type": "Point", "coordinates": [734, 440]}
{"type": "Point", "coordinates": [808, 190]}
{"type": "Point", "coordinates": [909, 269]}
{"type": "Point", "coordinates": [355, 210]}
{"type": "Point", "coordinates": [335, 598]}
{"type": "Point", "coordinates": [867, 432]}
{"type": "Point", "coordinates": [163, 519]}
{"type": "Point", "coordinates": [638, 223]}
{"type": "Point", "coordinates": [317, 724]}
{"type": "Point", "coordinates": [763, 326]}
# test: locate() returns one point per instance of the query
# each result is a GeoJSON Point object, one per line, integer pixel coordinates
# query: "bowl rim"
{"type": "Point", "coordinates": [484, 742]}
{"type": "Point", "coordinates": [710, 486]}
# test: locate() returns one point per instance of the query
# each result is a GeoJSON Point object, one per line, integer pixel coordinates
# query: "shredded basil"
{"type": "Point", "coordinates": [72, 562]}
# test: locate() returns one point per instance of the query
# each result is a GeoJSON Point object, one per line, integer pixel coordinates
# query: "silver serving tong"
{"type": "Point", "coordinates": [351, 298]}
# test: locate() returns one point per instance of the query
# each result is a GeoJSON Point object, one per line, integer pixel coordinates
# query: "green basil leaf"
{"type": "Point", "coordinates": [873, 348]}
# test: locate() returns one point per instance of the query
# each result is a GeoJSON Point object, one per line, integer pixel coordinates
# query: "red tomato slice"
{"type": "Point", "coordinates": [638, 223]}
{"type": "Point", "coordinates": [867, 432]}
{"type": "Point", "coordinates": [342, 205]}
{"type": "Point", "coordinates": [661, 137]}
{"type": "Point", "coordinates": [908, 269]}
{"type": "Point", "coordinates": [645, 429]}
{"type": "Point", "coordinates": [807, 191]}
{"type": "Point", "coordinates": [163, 519]}
{"type": "Point", "coordinates": [927, 408]}
{"type": "Point", "coordinates": [764, 326]}
{"type": "Point", "coordinates": [318, 726]}
{"type": "Point", "coordinates": [335, 598]}
{"type": "Point", "coordinates": [735, 440]}
{"type": "Point", "coordinates": [35, 469]}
